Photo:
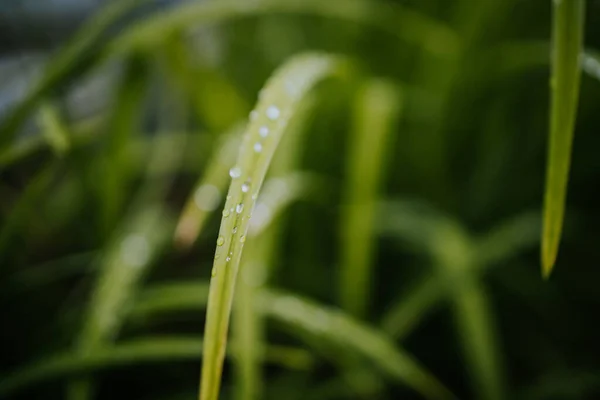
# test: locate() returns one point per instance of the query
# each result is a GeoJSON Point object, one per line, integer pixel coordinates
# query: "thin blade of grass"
{"type": "Point", "coordinates": [408, 25]}
{"type": "Point", "coordinates": [124, 263]}
{"type": "Point", "coordinates": [376, 109]}
{"type": "Point", "coordinates": [340, 329]}
{"type": "Point", "coordinates": [133, 352]}
{"type": "Point", "coordinates": [65, 64]}
{"type": "Point", "coordinates": [124, 124]}
{"type": "Point", "coordinates": [454, 256]}
{"type": "Point", "coordinates": [282, 187]}
{"type": "Point", "coordinates": [54, 129]}
{"type": "Point", "coordinates": [567, 37]}
{"type": "Point", "coordinates": [278, 101]}
{"type": "Point", "coordinates": [333, 327]}
{"type": "Point", "coordinates": [502, 243]}
{"type": "Point", "coordinates": [411, 26]}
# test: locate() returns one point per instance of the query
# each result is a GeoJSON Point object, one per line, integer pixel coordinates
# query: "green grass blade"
{"type": "Point", "coordinates": [412, 308]}
{"type": "Point", "coordinates": [333, 327]}
{"type": "Point", "coordinates": [376, 110]}
{"type": "Point", "coordinates": [133, 352]}
{"type": "Point", "coordinates": [455, 258]}
{"type": "Point", "coordinates": [410, 26]}
{"type": "Point", "coordinates": [476, 328]}
{"type": "Point", "coordinates": [508, 239]}
{"type": "Point", "coordinates": [340, 329]}
{"type": "Point", "coordinates": [277, 195]}
{"type": "Point", "coordinates": [208, 192]}
{"type": "Point", "coordinates": [124, 263]}
{"type": "Point", "coordinates": [66, 62]}
{"type": "Point", "coordinates": [54, 129]}
{"type": "Point", "coordinates": [124, 124]}
{"type": "Point", "coordinates": [567, 36]}
{"type": "Point", "coordinates": [278, 101]}
{"type": "Point", "coordinates": [281, 188]}
{"type": "Point", "coordinates": [501, 244]}
{"type": "Point", "coordinates": [24, 206]}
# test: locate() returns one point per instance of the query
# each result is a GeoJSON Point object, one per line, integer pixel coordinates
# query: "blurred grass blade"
{"type": "Point", "coordinates": [133, 352]}
{"type": "Point", "coordinates": [341, 330]}
{"type": "Point", "coordinates": [65, 63]}
{"type": "Point", "coordinates": [22, 209]}
{"type": "Point", "coordinates": [567, 37]}
{"type": "Point", "coordinates": [454, 256]}
{"type": "Point", "coordinates": [123, 265]}
{"type": "Point", "coordinates": [375, 112]}
{"type": "Point", "coordinates": [412, 308]}
{"type": "Point", "coordinates": [333, 327]}
{"type": "Point", "coordinates": [216, 100]}
{"type": "Point", "coordinates": [124, 125]}
{"type": "Point", "coordinates": [32, 278]}
{"type": "Point", "coordinates": [476, 329]}
{"type": "Point", "coordinates": [54, 129]}
{"type": "Point", "coordinates": [508, 239]}
{"type": "Point", "coordinates": [278, 101]}
{"type": "Point", "coordinates": [208, 192]}
{"type": "Point", "coordinates": [500, 244]}
{"type": "Point", "coordinates": [276, 195]}
{"type": "Point", "coordinates": [410, 26]}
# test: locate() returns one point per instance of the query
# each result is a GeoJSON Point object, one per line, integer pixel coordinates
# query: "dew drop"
{"type": "Point", "coordinates": [235, 172]}
{"type": "Point", "coordinates": [253, 115]}
{"type": "Point", "coordinates": [263, 131]}
{"type": "Point", "coordinates": [239, 208]}
{"type": "Point", "coordinates": [255, 196]}
{"type": "Point", "coordinates": [234, 230]}
{"type": "Point", "coordinates": [228, 259]}
{"type": "Point", "coordinates": [272, 113]}
{"type": "Point", "coordinates": [243, 239]}
{"type": "Point", "coordinates": [257, 147]}
{"type": "Point", "coordinates": [213, 273]}
{"type": "Point", "coordinates": [220, 241]}
{"type": "Point", "coordinates": [246, 187]}
{"type": "Point", "coordinates": [226, 213]}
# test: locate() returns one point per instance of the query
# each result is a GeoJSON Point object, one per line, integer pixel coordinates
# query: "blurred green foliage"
{"type": "Point", "coordinates": [394, 250]}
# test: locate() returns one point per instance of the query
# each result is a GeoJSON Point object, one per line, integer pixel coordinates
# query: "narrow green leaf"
{"type": "Point", "coordinates": [341, 330]}
{"type": "Point", "coordinates": [133, 352]}
{"type": "Point", "coordinates": [410, 26]}
{"type": "Point", "coordinates": [567, 37]}
{"type": "Point", "coordinates": [499, 245]}
{"type": "Point", "coordinates": [333, 327]}
{"type": "Point", "coordinates": [278, 101]}
{"type": "Point", "coordinates": [54, 129]}
{"type": "Point", "coordinates": [124, 124]}
{"type": "Point", "coordinates": [281, 188]}
{"type": "Point", "coordinates": [68, 60]}
{"type": "Point", "coordinates": [375, 112]}
{"type": "Point", "coordinates": [124, 263]}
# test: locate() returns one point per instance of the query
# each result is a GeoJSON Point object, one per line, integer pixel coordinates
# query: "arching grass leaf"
{"type": "Point", "coordinates": [278, 101]}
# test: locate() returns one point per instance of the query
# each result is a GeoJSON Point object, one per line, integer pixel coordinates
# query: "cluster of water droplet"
{"type": "Point", "coordinates": [272, 119]}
